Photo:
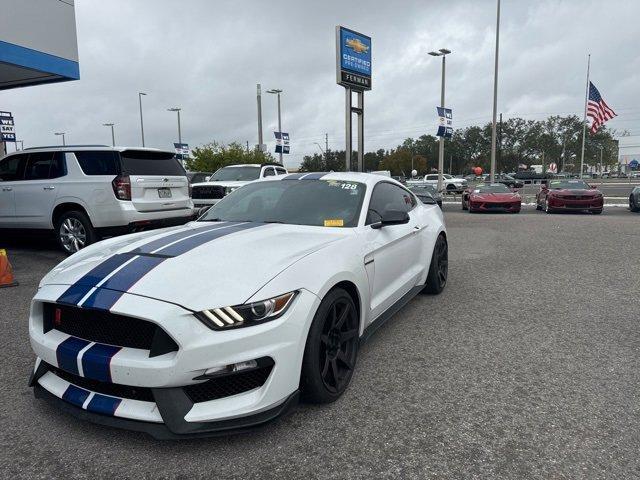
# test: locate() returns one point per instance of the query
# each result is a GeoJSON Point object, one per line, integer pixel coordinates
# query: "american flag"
{"type": "Point", "coordinates": [597, 109]}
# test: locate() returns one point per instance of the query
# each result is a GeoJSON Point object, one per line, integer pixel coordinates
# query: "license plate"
{"type": "Point", "coordinates": [164, 192]}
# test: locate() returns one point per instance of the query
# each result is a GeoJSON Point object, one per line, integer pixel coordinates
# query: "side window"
{"type": "Point", "coordinates": [98, 162]}
{"type": "Point", "coordinates": [432, 177]}
{"type": "Point", "coordinates": [269, 172]}
{"type": "Point", "coordinates": [38, 166]}
{"type": "Point", "coordinates": [387, 196]}
{"type": "Point", "coordinates": [12, 168]}
{"type": "Point", "coordinates": [281, 171]}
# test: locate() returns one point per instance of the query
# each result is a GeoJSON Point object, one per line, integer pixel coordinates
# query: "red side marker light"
{"type": "Point", "coordinates": [57, 320]}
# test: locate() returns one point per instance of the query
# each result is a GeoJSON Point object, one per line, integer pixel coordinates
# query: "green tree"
{"type": "Point", "coordinates": [212, 156]}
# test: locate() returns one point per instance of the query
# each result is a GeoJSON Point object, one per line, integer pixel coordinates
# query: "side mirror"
{"type": "Point", "coordinates": [391, 217]}
{"type": "Point", "coordinates": [592, 187]}
{"type": "Point", "coordinates": [206, 179]}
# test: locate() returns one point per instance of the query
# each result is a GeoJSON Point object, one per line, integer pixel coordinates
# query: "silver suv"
{"type": "Point", "coordinates": [85, 192]}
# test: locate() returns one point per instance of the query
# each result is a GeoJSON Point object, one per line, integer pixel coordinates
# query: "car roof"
{"type": "Point", "coordinates": [367, 178]}
{"type": "Point", "coordinates": [254, 165]}
{"type": "Point", "coordinates": [74, 148]}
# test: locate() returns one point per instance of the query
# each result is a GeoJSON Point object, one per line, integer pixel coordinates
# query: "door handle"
{"type": "Point", "coordinates": [50, 187]}
{"type": "Point", "coordinates": [7, 189]}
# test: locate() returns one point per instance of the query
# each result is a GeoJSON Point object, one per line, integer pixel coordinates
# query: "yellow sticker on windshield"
{"type": "Point", "coordinates": [334, 222]}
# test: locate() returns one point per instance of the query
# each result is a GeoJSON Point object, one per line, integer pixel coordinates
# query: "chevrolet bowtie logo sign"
{"type": "Point", "coordinates": [356, 45]}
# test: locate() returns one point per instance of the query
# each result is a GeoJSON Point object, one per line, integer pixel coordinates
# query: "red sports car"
{"type": "Point", "coordinates": [562, 195]}
{"type": "Point", "coordinates": [491, 197]}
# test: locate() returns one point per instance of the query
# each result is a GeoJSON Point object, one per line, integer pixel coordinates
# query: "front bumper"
{"type": "Point", "coordinates": [168, 407]}
{"type": "Point", "coordinates": [596, 203]}
{"type": "Point", "coordinates": [511, 207]}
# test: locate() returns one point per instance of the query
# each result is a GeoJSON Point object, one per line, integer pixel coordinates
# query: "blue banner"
{"type": "Point", "coordinates": [445, 122]}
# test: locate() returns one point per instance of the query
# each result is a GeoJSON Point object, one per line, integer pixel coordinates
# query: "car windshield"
{"type": "Point", "coordinates": [231, 174]}
{"type": "Point", "coordinates": [492, 188]}
{"type": "Point", "coordinates": [322, 203]}
{"type": "Point", "coordinates": [568, 185]}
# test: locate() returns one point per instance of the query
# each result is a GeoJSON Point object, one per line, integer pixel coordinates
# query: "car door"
{"type": "Point", "coordinates": [11, 173]}
{"type": "Point", "coordinates": [36, 194]}
{"type": "Point", "coordinates": [393, 249]}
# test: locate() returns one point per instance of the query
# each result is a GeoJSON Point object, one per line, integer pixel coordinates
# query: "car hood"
{"type": "Point", "coordinates": [495, 197]}
{"type": "Point", "coordinates": [582, 192]}
{"type": "Point", "coordinates": [222, 183]}
{"type": "Point", "coordinates": [200, 265]}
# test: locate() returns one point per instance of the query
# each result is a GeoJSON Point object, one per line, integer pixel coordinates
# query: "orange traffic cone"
{"type": "Point", "coordinates": [6, 274]}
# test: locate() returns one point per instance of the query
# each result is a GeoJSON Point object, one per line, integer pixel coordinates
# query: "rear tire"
{"type": "Point", "coordinates": [596, 212]}
{"type": "Point", "coordinates": [632, 204]}
{"type": "Point", "coordinates": [439, 268]}
{"type": "Point", "coordinates": [332, 348]}
{"type": "Point", "coordinates": [74, 231]}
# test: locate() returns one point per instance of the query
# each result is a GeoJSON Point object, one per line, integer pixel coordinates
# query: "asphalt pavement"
{"type": "Point", "coordinates": [527, 366]}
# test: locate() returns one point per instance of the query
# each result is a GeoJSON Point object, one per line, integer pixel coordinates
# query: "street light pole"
{"type": "Point", "coordinates": [278, 92]}
{"type": "Point", "coordinates": [495, 100]}
{"type": "Point", "coordinates": [177, 110]}
{"type": "Point", "coordinates": [140, 94]}
{"type": "Point", "coordinates": [113, 135]}
{"type": "Point", "coordinates": [64, 143]}
{"type": "Point", "coordinates": [443, 52]}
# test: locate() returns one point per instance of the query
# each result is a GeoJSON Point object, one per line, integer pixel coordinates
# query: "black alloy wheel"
{"type": "Point", "coordinates": [332, 348]}
{"type": "Point", "coordinates": [439, 268]}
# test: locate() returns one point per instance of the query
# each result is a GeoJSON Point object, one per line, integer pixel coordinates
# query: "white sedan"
{"type": "Point", "coordinates": [221, 324]}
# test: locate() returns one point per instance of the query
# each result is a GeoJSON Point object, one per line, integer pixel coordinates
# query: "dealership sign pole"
{"type": "Point", "coordinates": [353, 72]}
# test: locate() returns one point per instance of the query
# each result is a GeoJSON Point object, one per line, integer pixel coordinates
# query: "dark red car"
{"type": "Point", "coordinates": [565, 195]}
{"type": "Point", "coordinates": [491, 197]}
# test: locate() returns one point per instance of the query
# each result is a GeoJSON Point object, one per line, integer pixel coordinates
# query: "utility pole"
{"type": "Point", "coordinates": [450, 162]}
{"type": "Point", "coordinates": [495, 99]}
{"type": "Point", "coordinates": [63, 139]}
{"type": "Point", "coordinates": [499, 147]}
{"type": "Point", "coordinates": [247, 146]}
{"type": "Point", "coordinates": [259, 97]}
{"type": "Point", "coordinates": [326, 148]}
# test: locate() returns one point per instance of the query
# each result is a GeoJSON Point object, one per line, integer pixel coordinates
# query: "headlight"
{"type": "Point", "coordinates": [228, 190]}
{"type": "Point", "coordinates": [246, 315]}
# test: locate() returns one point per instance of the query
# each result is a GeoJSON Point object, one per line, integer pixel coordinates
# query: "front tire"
{"type": "Point", "coordinates": [332, 348]}
{"type": "Point", "coordinates": [74, 231]}
{"type": "Point", "coordinates": [632, 204]}
{"type": "Point", "coordinates": [439, 268]}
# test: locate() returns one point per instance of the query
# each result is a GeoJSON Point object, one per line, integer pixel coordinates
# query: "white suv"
{"type": "Point", "coordinates": [227, 179]}
{"type": "Point", "coordinates": [84, 192]}
{"type": "Point", "coordinates": [449, 182]}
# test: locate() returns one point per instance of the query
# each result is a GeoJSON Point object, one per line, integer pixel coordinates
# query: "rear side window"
{"type": "Point", "coordinates": [98, 162]}
{"type": "Point", "coordinates": [143, 162]}
{"type": "Point", "coordinates": [44, 165]}
{"type": "Point", "coordinates": [12, 168]}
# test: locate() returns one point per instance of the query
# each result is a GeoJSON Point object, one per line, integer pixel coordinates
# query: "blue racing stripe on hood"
{"type": "Point", "coordinates": [193, 242]}
{"type": "Point", "coordinates": [174, 237]}
{"type": "Point", "coordinates": [120, 282]}
{"type": "Point", "coordinates": [79, 289]}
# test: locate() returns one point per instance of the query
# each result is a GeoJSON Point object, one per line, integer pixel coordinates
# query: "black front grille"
{"type": "Point", "coordinates": [105, 327]}
{"type": "Point", "coordinates": [228, 385]}
{"type": "Point", "coordinates": [207, 192]}
{"type": "Point", "coordinates": [496, 205]}
{"type": "Point", "coordinates": [113, 389]}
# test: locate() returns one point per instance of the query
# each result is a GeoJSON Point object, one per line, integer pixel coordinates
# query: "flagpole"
{"type": "Point", "coordinates": [584, 119]}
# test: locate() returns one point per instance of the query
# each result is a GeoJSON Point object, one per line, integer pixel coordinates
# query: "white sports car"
{"type": "Point", "coordinates": [221, 324]}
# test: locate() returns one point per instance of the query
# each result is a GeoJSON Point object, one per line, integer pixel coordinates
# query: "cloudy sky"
{"type": "Point", "coordinates": [207, 56]}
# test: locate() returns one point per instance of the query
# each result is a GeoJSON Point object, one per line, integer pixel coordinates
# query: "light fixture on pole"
{"type": "Point", "coordinates": [492, 175]}
{"type": "Point", "coordinates": [277, 92]}
{"type": "Point", "coordinates": [63, 139]}
{"type": "Point", "coordinates": [443, 52]}
{"type": "Point", "coordinates": [113, 135]}
{"type": "Point", "coordinates": [177, 110]}
{"type": "Point", "coordinates": [140, 94]}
